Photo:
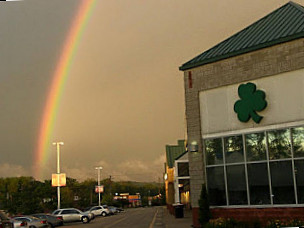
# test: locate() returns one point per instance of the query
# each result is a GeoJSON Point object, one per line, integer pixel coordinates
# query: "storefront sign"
{"type": "Point", "coordinates": [251, 101]}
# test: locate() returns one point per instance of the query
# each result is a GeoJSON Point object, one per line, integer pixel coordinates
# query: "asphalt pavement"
{"type": "Point", "coordinates": [150, 217]}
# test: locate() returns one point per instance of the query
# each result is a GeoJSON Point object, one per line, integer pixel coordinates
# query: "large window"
{"type": "Point", "coordinates": [258, 183]}
{"type": "Point", "coordinates": [261, 168]}
{"type": "Point", "coordinates": [216, 186]}
{"type": "Point", "coordinates": [183, 169]}
{"type": "Point", "coordinates": [234, 149]}
{"type": "Point", "coordinates": [214, 151]}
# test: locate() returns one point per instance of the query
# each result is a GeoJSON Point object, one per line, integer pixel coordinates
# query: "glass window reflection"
{"type": "Point", "coordinates": [279, 144]}
{"type": "Point", "coordinates": [216, 186]}
{"type": "Point", "coordinates": [214, 151]}
{"type": "Point", "coordinates": [299, 171]}
{"type": "Point", "coordinates": [258, 184]}
{"type": "Point", "coordinates": [282, 182]}
{"type": "Point", "coordinates": [237, 190]}
{"type": "Point", "coordinates": [234, 149]}
{"type": "Point", "coordinates": [298, 141]}
{"type": "Point", "coordinates": [256, 146]}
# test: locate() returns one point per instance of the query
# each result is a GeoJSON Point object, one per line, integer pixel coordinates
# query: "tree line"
{"type": "Point", "coordinates": [25, 195]}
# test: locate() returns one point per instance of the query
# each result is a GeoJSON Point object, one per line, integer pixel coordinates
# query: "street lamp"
{"type": "Point", "coordinates": [58, 144]}
{"type": "Point", "coordinates": [98, 183]}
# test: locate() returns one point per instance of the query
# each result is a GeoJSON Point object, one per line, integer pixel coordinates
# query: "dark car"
{"type": "Point", "coordinates": [52, 220]}
{"type": "Point", "coordinates": [5, 222]}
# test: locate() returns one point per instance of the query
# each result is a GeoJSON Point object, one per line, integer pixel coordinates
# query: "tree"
{"type": "Point", "coordinates": [252, 100]}
{"type": "Point", "coordinates": [204, 211]}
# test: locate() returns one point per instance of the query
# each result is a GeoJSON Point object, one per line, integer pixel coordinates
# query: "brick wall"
{"type": "Point", "coordinates": [259, 214]}
{"type": "Point", "coordinates": [252, 214]}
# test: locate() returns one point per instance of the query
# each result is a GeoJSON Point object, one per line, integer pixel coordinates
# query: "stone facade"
{"type": "Point", "coordinates": [265, 62]}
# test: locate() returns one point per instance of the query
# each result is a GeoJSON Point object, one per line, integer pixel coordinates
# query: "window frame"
{"type": "Point", "coordinates": [243, 134]}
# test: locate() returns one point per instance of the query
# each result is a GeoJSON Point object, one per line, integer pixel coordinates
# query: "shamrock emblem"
{"type": "Point", "coordinates": [252, 100]}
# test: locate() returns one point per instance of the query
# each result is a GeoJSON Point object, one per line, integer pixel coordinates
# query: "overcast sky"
{"type": "Point", "coordinates": [124, 98]}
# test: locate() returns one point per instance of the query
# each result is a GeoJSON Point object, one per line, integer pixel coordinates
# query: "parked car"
{"type": "Point", "coordinates": [73, 215]}
{"type": "Point", "coordinates": [112, 209]}
{"type": "Point", "coordinates": [52, 220]}
{"type": "Point", "coordinates": [5, 222]}
{"type": "Point", "coordinates": [19, 223]}
{"type": "Point", "coordinates": [32, 222]}
{"type": "Point", "coordinates": [98, 210]}
{"type": "Point", "coordinates": [119, 209]}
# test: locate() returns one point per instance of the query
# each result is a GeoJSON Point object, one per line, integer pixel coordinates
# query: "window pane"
{"type": "Point", "coordinates": [282, 182]}
{"type": "Point", "coordinates": [216, 186]}
{"type": "Point", "coordinates": [183, 169]}
{"type": "Point", "coordinates": [237, 191]}
{"type": "Point", "coordinates": [256, 146]}
{"type": "Point", "coordinates": [234, 149]}
{"type": "Point", "coordinates": [298, 141]}
{"type": "Point", "coordinates": [279, 144]}
{"type": "Point", "coordinates": [258, 184]}
{"type": "Point", "coordinates": [299, 171]}
{"type": "Point", "coordinates": [214, 151]}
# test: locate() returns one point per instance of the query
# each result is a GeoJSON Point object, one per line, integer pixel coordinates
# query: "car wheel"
{"type": "Point", "coordinates": [85, 219]}
{"type": "Point", "coordinates": [103, 214]}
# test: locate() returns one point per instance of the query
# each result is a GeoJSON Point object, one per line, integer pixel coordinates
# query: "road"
{"type": "Point", "coordinates": [134, 218]}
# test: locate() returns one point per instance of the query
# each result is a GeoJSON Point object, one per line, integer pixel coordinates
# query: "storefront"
{"type": "Point", "coordinates": [245, 109]}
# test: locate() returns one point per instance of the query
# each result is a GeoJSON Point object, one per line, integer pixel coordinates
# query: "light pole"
{"type": "Point", "coordinates": [98, 183]}
{"type": "Point", "coordinates": [58, 144]}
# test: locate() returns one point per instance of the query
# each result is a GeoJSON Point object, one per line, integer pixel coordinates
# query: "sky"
{"type": "Point", "coordinates": [123, 100]}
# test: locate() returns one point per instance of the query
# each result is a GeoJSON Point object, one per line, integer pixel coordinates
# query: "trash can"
{"type": "Point", "coordinates": [178, 210]}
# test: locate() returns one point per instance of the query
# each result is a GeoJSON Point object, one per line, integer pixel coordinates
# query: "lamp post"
{"type": "Point", "coordinates": [98, 183]}
{"type": "Point", "coordinates": [58, 144]}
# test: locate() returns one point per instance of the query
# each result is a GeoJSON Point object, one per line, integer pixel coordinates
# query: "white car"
{"type": "Point", "coordinates": [73, 215]}
{"type": "Point", "coordinates": [99, 210]}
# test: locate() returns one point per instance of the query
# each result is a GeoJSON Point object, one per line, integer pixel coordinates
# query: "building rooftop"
{"type": "Point", "coordinates": [284, 24]}
{"type": "Point", "coordinates": [174, 151]}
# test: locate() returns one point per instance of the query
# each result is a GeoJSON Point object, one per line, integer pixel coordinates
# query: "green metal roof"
{"type": "Point", "coordinates": [174, 151]}
{"type": "Point", "coordinates": [282, 25]}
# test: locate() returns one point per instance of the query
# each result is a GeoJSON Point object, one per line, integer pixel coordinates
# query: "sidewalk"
{"type": "Point", "coordinates": [171, 222]}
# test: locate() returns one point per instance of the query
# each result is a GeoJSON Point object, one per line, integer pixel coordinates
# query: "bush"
{"type": "Point", "coordinates": [231, 223]}
{"type": "Point", "coordinates": [284, 223]}
{"type": "Point", "coordinates": [204, 211]}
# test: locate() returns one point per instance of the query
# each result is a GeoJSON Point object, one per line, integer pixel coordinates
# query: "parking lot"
{"type": "Point", "coordinates": [134, 217]}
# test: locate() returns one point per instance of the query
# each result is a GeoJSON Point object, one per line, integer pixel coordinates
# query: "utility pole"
{"type": "Point", "coordinates": [110, 185]}
{"type": "Point", "coordinates": [98, 183]}
{"type": "Point", "coordinates": [58, 144]}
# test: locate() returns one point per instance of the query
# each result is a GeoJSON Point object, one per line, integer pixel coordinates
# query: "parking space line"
{"type": "Point", "coordinates": [153, 220]}
{"type": "Point", "coordinates": [117, 221]}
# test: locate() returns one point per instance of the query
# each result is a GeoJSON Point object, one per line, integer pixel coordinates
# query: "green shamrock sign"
{"type": "Point", "coordinates": [251, 101]}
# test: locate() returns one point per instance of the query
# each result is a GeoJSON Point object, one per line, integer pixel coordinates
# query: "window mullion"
{"type": "Point", "coordinates": [268, 168]}
{"type": "Point", "coordinates": [246, 172]}
{"type": "Point", "coordinates": [225, 172]}
{"type": "Point", "coordinates": [293, 169]}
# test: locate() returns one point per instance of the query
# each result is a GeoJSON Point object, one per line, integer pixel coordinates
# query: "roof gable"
{"type": "Point", "coordinates": [282, 25]}
{"type": "Point", "coordinates": [174, 151]}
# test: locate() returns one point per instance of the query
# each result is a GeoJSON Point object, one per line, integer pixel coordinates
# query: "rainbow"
{"type": "Point", "coordinates": [56, 89]}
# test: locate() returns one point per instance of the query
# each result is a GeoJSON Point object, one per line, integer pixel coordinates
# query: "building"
{"type": "Point", "coordinates": [182, 180]}
{"type": "Point", "coordinates": [172, 153]}
{"type": "Point", "coordinates": [134, 200]}
{"type": "Point", "coordinates": [245, 111]}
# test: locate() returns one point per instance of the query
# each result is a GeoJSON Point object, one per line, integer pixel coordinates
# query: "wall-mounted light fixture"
{"type": "Point", "coordinates": [193, 146]}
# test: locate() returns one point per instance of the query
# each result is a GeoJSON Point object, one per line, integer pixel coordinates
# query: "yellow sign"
{"type": "Point", "coordinates": [58, 180]}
